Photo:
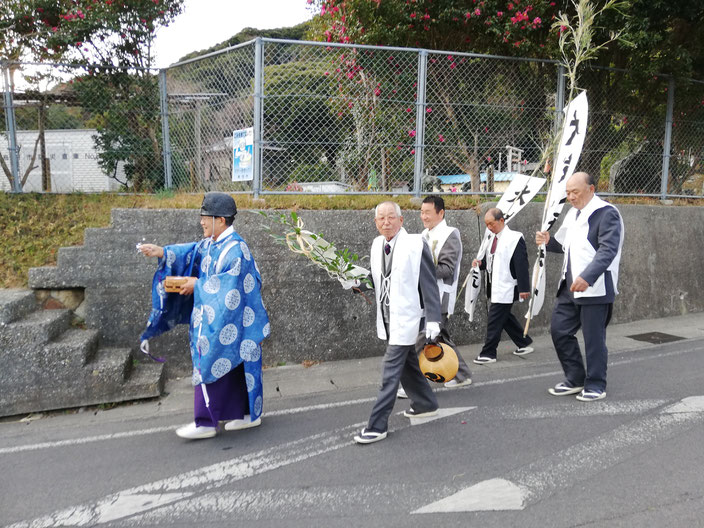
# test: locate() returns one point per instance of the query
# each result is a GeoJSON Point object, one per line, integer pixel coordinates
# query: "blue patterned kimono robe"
{"type": "Point", "coordinates": [227, 317]}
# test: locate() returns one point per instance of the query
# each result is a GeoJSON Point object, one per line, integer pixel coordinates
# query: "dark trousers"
{"type": "Point", "coordinates": [567, 319]}
{"type": "Point", "coordinates": [500, 318]}
{"type": "Point", "coordinates": [227, 399]}
{"type": "Point", "coordinates": [400, 364]}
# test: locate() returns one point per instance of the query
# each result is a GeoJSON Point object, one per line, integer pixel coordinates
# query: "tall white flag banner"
{"type": "Point", "coordinates": [571, 143]}
{"type": "Point", "coordinates": [521, 191]}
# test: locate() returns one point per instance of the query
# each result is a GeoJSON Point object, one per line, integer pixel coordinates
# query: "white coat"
{"type": "Point", "coordinates": [573, 237]}
{"type": "Point", "coordinates": [405, 312]}
{"type": "Point", "coordinates": [503, 285]}
{"type": "Point", "coordinates": [436, 240]}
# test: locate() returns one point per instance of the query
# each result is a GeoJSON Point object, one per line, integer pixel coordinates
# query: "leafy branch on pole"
{"type": "Point", "coordinates": [576, 47]}
{"type": "Point", "coordinates": [339, 264]}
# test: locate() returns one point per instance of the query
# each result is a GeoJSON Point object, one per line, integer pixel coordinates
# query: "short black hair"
{"type": "Point", "coordinates": [229, 220]}
{"type": "Point", "coordinates": [438, 202]}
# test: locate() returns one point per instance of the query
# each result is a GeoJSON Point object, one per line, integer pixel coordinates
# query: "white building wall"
{"type": "Point", "coordinates": [73, 162]}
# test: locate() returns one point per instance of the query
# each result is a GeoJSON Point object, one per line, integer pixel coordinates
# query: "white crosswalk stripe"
{"type": "Point", "coordinates": [578, 462]}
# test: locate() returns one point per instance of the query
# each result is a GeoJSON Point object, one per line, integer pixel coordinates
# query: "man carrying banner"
{"type": "Point", "coordinates": [591, 238]}
{"type": "Point", "coordinates": [506, 264]}
{"type": "Point", "coordinates": [520, 192]}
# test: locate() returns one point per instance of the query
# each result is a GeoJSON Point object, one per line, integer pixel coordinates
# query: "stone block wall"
{"type": "Point", "coordinates": [313, 318]}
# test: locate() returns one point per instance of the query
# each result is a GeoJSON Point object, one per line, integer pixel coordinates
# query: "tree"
{"type": "Point", "coordinates": [112, 41]}
{"type": "Point", "coordinates": [488, 26]}
{"type": "Point", "coordinates": [657, 37]}
{"type": "Point", "coordinates": [473, 109]}
{"type": "Point", "coordinates": [116, 33]}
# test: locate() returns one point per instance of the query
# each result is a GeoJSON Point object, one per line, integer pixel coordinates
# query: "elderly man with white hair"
{"type": "Point", "coordinates": [408, 301]}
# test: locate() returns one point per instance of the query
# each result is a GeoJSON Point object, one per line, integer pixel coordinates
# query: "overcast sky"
{"type": "Point", "coordinates": [205, 23]}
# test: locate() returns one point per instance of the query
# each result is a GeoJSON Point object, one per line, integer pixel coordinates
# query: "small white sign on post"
{"type": "Point", "coordinates": [243, 154]}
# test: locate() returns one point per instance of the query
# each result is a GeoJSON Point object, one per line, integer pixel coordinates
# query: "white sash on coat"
{"type": "Point", "coordinates": [405, 312]}
{"type": "Point", "coordinates": [441, 233]}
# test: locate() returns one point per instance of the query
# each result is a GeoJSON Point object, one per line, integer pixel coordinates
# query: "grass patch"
{"type": "Point", "coordinates": [34, 226]}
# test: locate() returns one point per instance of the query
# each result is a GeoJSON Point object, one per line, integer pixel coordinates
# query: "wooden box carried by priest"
{"type": "Point", "coordinates": [172, 284]}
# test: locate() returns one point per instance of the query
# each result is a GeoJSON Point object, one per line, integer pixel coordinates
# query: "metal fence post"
{"type": "Point", "coordinates": [11, 130]}
{"type": "Point", "coordinates": [420, 124]}
{"type": "Point", "coordinates": [559, 98]}
{"type": "Point", "coordinates": [258, 114]}
{"type": "Point", "coordinates": [165, 138]}
{"type": "Point", "coordinates": [667, 145]}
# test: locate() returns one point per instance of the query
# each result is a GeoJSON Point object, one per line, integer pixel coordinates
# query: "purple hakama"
{"type": "Point", "coordinates": [228, 399]}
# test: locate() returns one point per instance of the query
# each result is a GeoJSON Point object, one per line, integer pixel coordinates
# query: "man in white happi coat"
{"type": "Point", "coordinates": [591, 238]}
{"type": "Point", "coordinates": [407, 302]}
{"type": "Point", "coordinates": [506, 264]}
{"type": "Point", "coordinates": [446, 248]}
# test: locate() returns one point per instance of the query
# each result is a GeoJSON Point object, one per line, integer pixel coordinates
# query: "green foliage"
{"type": "Point", "coordinates": [614, 156]}
{"type": "Point", "coordinates": [126, 116]}
{"type": "Point", "coordinates": [645, 37]}
{"type": "Point", "coordinates": [301, 113]}
{"type": "Point", "coordinates": [319, 172]}
{"type": "Point", "coordinates": [113, 40]}
{"type": "Point", "coordinates": [490, 26]}
{"type": "Point", "coordinates": [339, 264]}
{"type": "Point", "coordinates": [656, 36]}
{"type": "Point", "coordinates": [58, 116]}
{"type": "Point", "coordinates": [109, 33]}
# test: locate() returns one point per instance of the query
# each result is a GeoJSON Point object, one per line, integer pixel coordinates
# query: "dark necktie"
{"type": "Point", "coordinates": [387, 248]}
{"type": "Point", "coordinates": [493, 244]}
{"type": "Point", "coordinates": [577, 215]}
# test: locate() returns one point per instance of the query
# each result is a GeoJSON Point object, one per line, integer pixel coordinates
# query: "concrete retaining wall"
{"type": "Point", "coordinates": [313, 318]}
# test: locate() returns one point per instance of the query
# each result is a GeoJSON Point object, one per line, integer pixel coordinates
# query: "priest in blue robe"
{"type": "Point", "coordinates": [221, 301]}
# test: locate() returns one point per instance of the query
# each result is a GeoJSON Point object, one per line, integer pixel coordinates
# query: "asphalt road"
{"type": "Point", "coordinates": [502, 453]}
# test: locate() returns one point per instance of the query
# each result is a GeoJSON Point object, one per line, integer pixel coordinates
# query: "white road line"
{"type": "Point", "coordinates": [443, 412]}
{"type": "Point", "coordinates": [239, 506]}
{"type": "Point", "coordinates": [490, 495]}
{"type": "Point", "coordinates": [136, 504]}
{"type": "Point", "coordinates": [324, 406]}
{"type": "Point", "coordinates": [147, 497]}
{"type": "Point", "coordinates": [568, 408]}
{"type": "Point", "coordinates": [85, 440]}
{"type": "Point", "coordinates": [142, 498]}
{"type": "Point", "coordinates": [166, 428]}
{"type": "Point", "coordinates": [576, 463]}
{"type": "Point", "coordinates": [319, 407]}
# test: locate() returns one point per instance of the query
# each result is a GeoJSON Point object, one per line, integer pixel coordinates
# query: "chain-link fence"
{"type": "Point", "coordinates": [207, 100]}
{"type": "Point", "coordinates": [275, 116]}
{"type": "Point", "coordinates": [74, 128]}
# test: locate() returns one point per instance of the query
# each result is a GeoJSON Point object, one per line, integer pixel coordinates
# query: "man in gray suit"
{"type": "Point", "coordinates": [591, 238]}
{"type": "Point", "coordinates": [446, 248]}
{"type": "Point", "coordinates": [408, 302]}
